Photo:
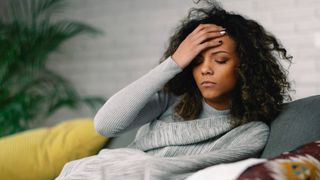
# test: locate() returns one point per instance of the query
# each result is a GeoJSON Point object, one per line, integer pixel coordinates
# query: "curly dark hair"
{"type": "Point", "coordinates": [262, 85]}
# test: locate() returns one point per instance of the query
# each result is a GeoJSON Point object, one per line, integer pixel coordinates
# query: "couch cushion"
{"type": "Point", "coordinates": [41, 153]}
{"type": "Point", "coordinates": [297, 124]}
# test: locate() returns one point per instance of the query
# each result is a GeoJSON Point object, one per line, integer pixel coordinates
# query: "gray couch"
{"type": "Point", "coordinates": [297, 124]}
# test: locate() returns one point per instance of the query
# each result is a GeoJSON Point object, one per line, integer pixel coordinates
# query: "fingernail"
{"type": "Point", "coordinates": [222, 32]}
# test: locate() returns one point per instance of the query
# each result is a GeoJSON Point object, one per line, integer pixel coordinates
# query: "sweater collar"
{"type": "Point", "coordinates": [160, 134]}
{"type": "Point", "coordinates": [208, 111]}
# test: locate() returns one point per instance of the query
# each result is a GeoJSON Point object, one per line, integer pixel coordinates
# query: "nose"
{"type": "Point", "coordinates": [206, 68]}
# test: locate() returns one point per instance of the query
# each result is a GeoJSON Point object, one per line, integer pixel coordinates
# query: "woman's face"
{"type": "Point", "coordinates": [215, 73]}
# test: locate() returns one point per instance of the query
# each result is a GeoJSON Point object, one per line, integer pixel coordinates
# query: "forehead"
{"type": "Point", "coordinates": [228, 45]}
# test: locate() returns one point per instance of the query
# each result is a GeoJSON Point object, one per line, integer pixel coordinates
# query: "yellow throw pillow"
{"type": "Point", "coordinates": [40, 154]}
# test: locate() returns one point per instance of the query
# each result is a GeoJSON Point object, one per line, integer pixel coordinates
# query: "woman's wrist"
{"type": "Point", "coordinates": [175, 62]}
{"type": "Point", "coordinates": [179, 63]}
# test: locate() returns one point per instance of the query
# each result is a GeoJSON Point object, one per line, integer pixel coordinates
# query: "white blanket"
{"type": "Point", "coordinates": [226, 171]}
{"type": "Point", "coordinates": [119, 164]}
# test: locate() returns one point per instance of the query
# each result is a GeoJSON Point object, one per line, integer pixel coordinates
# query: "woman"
{"type": "Point", "coordinates": [220, 81]}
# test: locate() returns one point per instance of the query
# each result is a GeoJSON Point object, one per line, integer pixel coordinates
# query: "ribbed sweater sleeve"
{"type": "Point", "coordinates": [136, 104]}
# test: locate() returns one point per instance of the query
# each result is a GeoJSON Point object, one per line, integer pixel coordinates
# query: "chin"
{"type": "Point", "coordinates": [210, 96]}
{"type": "Point", "coordinates": [209, 92]}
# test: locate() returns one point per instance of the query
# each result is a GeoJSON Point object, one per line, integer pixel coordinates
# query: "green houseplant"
{"type": "Point", "coordinates": [29, 91]}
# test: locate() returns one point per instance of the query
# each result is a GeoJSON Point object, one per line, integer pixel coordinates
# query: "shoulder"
{"type": "Point", "coordinates": [253, 128]}
{"type": "Point", "coordinates": [256, 129]}
{"type": "Point", "coordinates": [167, 98]}
{"type": "Point", "coordinates": [256, 125]}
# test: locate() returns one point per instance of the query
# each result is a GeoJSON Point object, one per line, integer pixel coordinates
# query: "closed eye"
{"type": "Point", "coordinates": [221, 61]}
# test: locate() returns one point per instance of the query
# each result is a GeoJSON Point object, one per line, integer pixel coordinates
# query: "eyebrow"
{"type": "Point", "coordinates": [217, 52]}
{"type": "Point", "coordinates": [213, 53]}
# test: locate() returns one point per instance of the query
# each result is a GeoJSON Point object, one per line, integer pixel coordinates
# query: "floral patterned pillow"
{"type": "Point", "coordinates": [302, 163]}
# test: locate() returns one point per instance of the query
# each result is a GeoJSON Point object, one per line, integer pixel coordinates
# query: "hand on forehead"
{"type": "Point", "coordinates": [227, 45]}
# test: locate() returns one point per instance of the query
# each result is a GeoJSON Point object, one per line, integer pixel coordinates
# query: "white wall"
{"type": "Point", "coordinates": [136, 31]}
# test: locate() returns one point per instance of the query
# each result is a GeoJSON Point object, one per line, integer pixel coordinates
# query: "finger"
{"type": "Point", "coordinates": [208, 44]}
{"type": "Point", "coordinates": [219, 31]}
{"type": "Point", "coordinates": [208, 36]}
{"type": "Point", "coordinates": [206, 27]}
{"type": "Point", "coordinates": [213, 27]}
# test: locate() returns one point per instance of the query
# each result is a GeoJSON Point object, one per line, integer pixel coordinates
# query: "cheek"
{"type": "Point", "coordinates": [229, 78]}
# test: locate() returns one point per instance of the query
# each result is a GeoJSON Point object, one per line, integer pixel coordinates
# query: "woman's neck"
{"type": "Point", "coordinates": [221, 104]}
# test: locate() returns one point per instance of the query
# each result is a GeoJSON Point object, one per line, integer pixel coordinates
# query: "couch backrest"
{"type": "Point", "coordinates": [297, 124]}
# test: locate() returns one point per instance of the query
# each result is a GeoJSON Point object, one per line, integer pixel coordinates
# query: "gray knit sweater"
{"type": "Point", "coordinates": [164, 147]}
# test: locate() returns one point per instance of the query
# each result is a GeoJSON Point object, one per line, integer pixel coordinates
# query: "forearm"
{"type": "Point", "coordinates": [123, 107]}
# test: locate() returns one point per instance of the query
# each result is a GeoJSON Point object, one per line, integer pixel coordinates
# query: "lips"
{"type": "Point", "coordinates": [208, 84]}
